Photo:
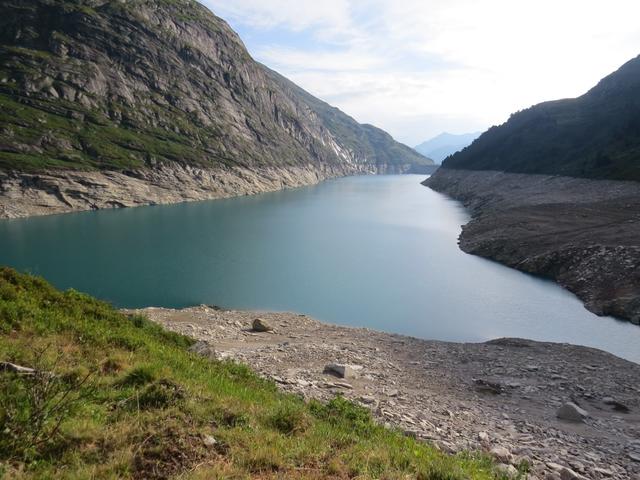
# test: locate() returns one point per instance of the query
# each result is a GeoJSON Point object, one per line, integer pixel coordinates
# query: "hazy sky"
{"type": "Point", "coordinates": [420, 67]}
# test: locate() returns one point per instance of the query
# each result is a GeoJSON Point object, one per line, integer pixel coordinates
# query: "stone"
{"type": "Point", "coordinates": [483, 437]}
{"type": "Point", "coordinates": [501, 454]}
{"type": "Point", "coordinates": [554, 466]}
{"type": "Point", "coordinates": [204, 348]}
{"type": "Point", "coordinates": [571, 412]}
{"type": "Point", "coordinates": [507, 469]}
{"type": "Point", "coordinates": [368, 400]}
{"type": "Point", "coordinates": [13, 368]}
{"type": "Point", "coordinates": [634, 456]}
{"type": "Point", "coordinates": [261, 325]}
{"type": "Point", "coordinates": [340, 370]}
{"type": "Point", "coordinates": [568, 474]}
{"type": "Point", "coordinates": [617, 406]}
{"type": "Point", "coordinates": [209, 441]}
{"type": "Point", "coordinates": [603, 471]}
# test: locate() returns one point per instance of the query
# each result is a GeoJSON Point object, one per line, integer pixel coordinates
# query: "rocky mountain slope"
{"type": "Point", "coordinates": [531, 210]}
{"type": "Point", "coordinates": [143, 85]}
{"type": "Point", "coordinates": [596, 135]}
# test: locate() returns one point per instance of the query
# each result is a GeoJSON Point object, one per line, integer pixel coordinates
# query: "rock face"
{"type": "Point", "coordinates": [594, 136]}
{"type": "Point", "coordinates": [140, 89]}
{"type": "Point", "coordinates": [585, 234]}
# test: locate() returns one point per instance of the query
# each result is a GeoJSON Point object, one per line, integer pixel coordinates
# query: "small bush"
{"type": "Point", "coordinates": [342, 412]}
{"type": "Point", "coordinates": [33, 408]}
{"type": "Point", "coordinates": [290, 419]}
{"type": "Point", "coordinates": [138, 377]}
{"type": "Point", "coordinates": [161, 394]}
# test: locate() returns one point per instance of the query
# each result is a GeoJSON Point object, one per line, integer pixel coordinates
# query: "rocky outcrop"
{"type": "Point", "coordinates": [585, 234]}
{"type": "Point", "coordinates": [142, 88]}
{"type": "Point", "coordinates": [50, 192]}
{"type": "Point", "coordinates": [429, 389]}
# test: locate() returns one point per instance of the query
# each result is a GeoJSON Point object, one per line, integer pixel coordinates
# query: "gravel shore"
{"type": "Point", "coordinates": [502, 396]}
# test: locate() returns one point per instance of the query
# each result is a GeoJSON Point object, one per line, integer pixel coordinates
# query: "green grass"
{"type": "Point", "coordinates": [137, 404]}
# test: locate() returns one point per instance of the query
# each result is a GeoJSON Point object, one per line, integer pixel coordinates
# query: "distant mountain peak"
{"type": "Point", "coordinates": [444, 144]}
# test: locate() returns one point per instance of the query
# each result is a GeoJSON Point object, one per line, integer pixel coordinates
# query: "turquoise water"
{"type": "Point", "coordinates": [376, 251]}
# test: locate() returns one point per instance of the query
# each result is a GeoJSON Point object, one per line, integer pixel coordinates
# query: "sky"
{"type": "Point", "coordinates": [417, 68]}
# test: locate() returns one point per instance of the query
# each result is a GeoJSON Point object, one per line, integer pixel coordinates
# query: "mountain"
{"type": "Point", "coordinates": [596, 135]}
{"type": "Point", "coordinates": [152, 89]}
{"type": "Point", "coordinates": [441, 146]}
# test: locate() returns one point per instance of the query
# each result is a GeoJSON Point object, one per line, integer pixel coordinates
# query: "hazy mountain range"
{"type": "Point", "coordinates": [441, 146]}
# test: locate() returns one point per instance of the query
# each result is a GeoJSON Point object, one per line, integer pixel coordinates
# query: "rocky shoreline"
{"type": "Point", "coordinates": [503, 396]}
{"type": "Point", "coordinates": [65, 191]}
{"type": "Point", "coordinates": [52, 192]}
{"type": "Point", "coordinates": [584, 234]}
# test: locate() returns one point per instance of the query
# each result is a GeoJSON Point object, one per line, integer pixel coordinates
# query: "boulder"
{"type": "Point", "coordinates": [501, 454]}
{"type": "Point", "coordinates": [205, 349]}
{"type": "Point", "coordinates": [507, 469]}
{"type": "Point", "coordinates": [261, 325]}
{"type": "Point", "coordinates": [341, 370]}
{"type": "Point", "coordinates": [571, 412]}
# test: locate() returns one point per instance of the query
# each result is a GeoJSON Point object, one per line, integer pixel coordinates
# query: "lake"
{"type": "Point", "coordinates": [374, 251]}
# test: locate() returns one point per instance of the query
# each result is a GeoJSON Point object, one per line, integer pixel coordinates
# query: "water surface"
{"type": "Point", "coordinates": [378, 251]}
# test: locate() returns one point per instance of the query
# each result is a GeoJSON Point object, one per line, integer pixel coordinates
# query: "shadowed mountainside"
{"type": "Point", "coordinates": [596, 135]}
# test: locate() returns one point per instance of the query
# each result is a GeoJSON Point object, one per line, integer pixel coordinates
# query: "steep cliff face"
{"type": "Point", "coordinates": [596, 135]}
{"type": "Point", "coordinates": [144, 84]}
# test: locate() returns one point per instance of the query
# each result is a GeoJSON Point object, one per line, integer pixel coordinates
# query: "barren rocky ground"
{"type": "Point", "coordinates": [501, 396]}
{"type": "Point", "coordinates": [45, 193]}
{"type": "Point", "coordinates": [585, 234]}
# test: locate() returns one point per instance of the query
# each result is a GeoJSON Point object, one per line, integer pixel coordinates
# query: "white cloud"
{"type": "Point", "coordinates": [444, 64]}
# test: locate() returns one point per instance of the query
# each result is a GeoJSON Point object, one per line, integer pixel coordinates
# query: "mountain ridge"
{"type": "Point", "coordinates": [134, 86]}
{"type": "Point", "coordinates": [596, 135]}
{"type": "Point", "coordinates": [444, 144]}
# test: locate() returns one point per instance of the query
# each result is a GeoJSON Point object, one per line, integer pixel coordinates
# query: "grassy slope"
{"type": "Point", "coordinates": [148, 403]}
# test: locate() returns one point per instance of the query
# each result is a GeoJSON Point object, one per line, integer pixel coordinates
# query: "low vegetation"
{"type": "Point", "coordinates": [113, 396]}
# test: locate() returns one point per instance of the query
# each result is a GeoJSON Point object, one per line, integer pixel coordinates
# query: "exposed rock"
{"type": "Point", "coordinates": [261, 325]}
{"type": "Point", "coordinates": [508, 469]}
{"type": "Point", "coordinates": [501, 454]}
{"type": "Point", "coordinates": [340, 370]}
{"type": "Point", "coordinates": [12, 367]}
{"type": "Point", "coordinates": [568, 474]}
{"type": "Point", "coordinates": [618, 406]}
{"type": "Point", "coordinates": [436, 404]}
{"type": "Point", "coordinates": [138, 87]}
{"type": "Point", "coordinates": [205, 349]}
{"type": "Point", "coordinates": [209, 441]}
{"type": "Point", "coordinates": [583, 233]}
{"type": "Point", "coordinates": [571, 412]}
